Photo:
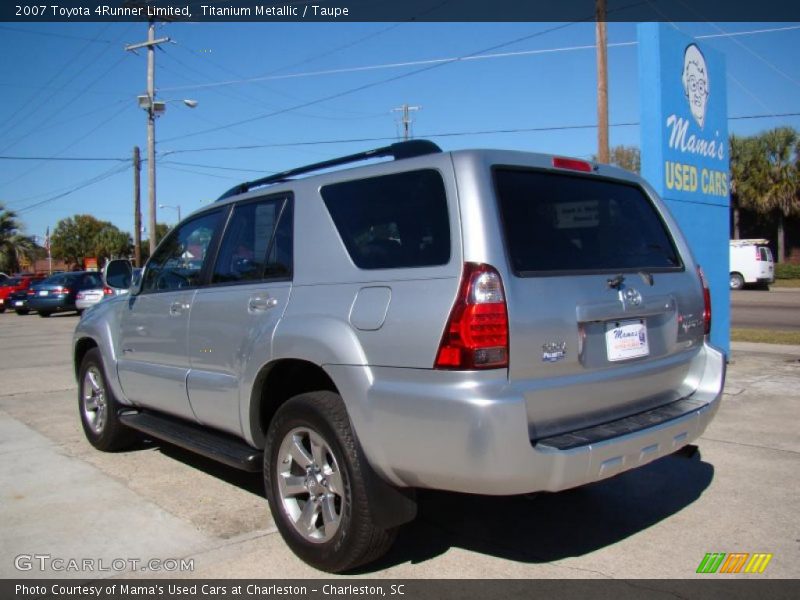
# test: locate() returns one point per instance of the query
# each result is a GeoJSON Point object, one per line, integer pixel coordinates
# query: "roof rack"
{"type": "Point", "coordinates": [750, 242]}
{"type": "Point", "coordinates": [399, 150]}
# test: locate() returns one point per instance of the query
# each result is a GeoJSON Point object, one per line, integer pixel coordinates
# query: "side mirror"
{"type": "Point", "coordinates": [118, 274]}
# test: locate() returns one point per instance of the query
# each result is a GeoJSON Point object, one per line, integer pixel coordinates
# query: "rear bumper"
{"type": "Point", "coordinates": [474, 438]}
{"type": "Point", "coordinates": [54, 304]}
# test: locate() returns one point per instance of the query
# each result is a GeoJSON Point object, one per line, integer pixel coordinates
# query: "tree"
{"type": "Point", "coordinates": [748, 176]}
{"type": "Point", "coordinates": [162, 229]}
{"type": "Point", "coordinates": [14, 245]}
{"type": "Point", "coordinates": [782, 178]}
{"type": "Point", "coordinates": [110, 242]}
{"type": "Point", "coordinates": [626, 157]}
{"type": "Point", "coordinates": [81, 236]}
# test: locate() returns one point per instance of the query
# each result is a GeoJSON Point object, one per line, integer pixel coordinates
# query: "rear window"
{"type": "Point", "coordinates": [57, 280]}
{"type": "Point", "coordinates": [558, 223]}
{"type": "Point", "coordinates": [392, 221]}
{"type": "Point", "coordinates": [765, 253]}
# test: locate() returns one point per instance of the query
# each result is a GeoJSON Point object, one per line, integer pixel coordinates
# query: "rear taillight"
{"type": "Point", "coordinates": [31, 292]}
{"type": "Point", "coordinates": [107, 291]}
{"type": "Point", "coordinates": [62, 290]}
{"type": "Point", "coordinates": [476, 334]}
{"type": "Point", "coordinates": [706, 301]}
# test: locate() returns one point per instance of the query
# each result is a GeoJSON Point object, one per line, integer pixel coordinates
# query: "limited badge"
{"type": "Point", "coordinates": [554, 351]}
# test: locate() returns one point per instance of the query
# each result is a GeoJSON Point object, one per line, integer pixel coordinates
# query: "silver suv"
{"type": "Point", "coordinates": [489, 322]}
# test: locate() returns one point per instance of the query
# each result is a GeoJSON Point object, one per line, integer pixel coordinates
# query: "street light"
{"type": "Point", "coordinates": [173, 207]}
{"type": "Point", "coordinates": [154, 108]}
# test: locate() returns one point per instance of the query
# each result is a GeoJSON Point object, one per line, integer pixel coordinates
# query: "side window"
{"type": "Point", "coordinates": [256, 245]}
{"type": "Point", "coordinates": [392, 221]}
{"type": "Point", "coordinates": [92, 280]}
{"type": "Point", "coordinates": [178, 263]}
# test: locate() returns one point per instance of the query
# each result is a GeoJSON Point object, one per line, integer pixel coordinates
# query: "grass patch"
{"type": "Point", "coordinates": [765, 336]}
{"type": "Point", "coordinates": [786, 283]}
{"type": "Point", "coordinates": [787, 271]}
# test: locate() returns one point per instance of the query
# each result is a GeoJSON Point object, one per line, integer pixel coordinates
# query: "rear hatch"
{"type": "Point", "coordinates": [764, 263]}
{"type": "Point", "coordinates": [605, 315]}
{"type": "Point", "coordinates": [60, 286]}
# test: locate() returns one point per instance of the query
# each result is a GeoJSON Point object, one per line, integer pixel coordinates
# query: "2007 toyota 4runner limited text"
{"type": "Point", "coordinates": [489, 322]}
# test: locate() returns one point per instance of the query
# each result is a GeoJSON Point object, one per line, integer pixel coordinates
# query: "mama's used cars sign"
{"type": "Point", "coordinates": [685, 154]}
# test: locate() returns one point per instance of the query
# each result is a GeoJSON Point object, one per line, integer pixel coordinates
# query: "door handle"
{"type": "Point", "coordinates": [177, 308]}
{"type": "Point", "coordinates": [261, 303]}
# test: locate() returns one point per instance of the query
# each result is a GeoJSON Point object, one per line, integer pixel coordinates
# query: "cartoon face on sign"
{"type": "Point", "coordinates": [695, 82]}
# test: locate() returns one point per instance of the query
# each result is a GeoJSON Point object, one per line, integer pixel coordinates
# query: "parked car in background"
{"type": "Point", "coordinates": [751, 263]}
{"type": "Point", "coordinates": [19, 302]}
{"type": "Point", "coordinates": [88, 298]}
{"type": "Point", "coordinates": [19, 283]}
{"type": "Point", "coordinates": [59, 292]}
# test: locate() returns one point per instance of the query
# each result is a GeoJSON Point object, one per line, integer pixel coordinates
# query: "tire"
{"type": "Point", "coordinates": [338, 532]}
{"type": "Point", "coordinates": [44, 314]}
{"type": "Point", "coordinates": [98, 408]}
{"type": "Point", "coordinates": [737, 281]}
{"type": "Point", "coordinates": [79, 311]}
{"type": "Point", "coordinates": [2, 309]}
{"type": "Point", "coordinates": [22, 311]}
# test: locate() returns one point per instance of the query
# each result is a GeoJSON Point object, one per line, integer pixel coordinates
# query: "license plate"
{"type": "Point", "coordinates": [18, 303]}
{"type": "Point", "coordinates": [44, 292]}
{"type": "Point", "coordinates": [626, 339]}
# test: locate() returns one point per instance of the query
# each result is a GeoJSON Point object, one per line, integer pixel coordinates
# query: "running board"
{"type": "Point", "coordinates": [218, 446]}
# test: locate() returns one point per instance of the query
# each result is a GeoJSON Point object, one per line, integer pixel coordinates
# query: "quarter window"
{"type": "Point", "coordinates": [178, 262]}
{"type": "Point", "coordinates": [392, 221]}
{"type": "Point", "coordinates": [257, 243]}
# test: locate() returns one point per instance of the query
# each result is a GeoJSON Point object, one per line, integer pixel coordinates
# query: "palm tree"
{"type": "Point", "coordinates": [749, 177]}
{"type": "Point", "coordinates": [13, 244]}
{"type": "Point", "coordinates": [782, 178]}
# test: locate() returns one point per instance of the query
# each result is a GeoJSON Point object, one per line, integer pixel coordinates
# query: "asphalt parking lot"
{"type": "Point", "coordinates": [63, 499]}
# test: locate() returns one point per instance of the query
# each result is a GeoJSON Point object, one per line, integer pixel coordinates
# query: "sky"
{"type": "Point", "coordinates": [276, 96]}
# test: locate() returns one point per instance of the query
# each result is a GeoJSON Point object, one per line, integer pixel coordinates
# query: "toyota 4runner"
{"type": "Point", "coordinates": [490, 322]}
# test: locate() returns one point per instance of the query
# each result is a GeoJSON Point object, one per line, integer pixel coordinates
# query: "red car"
{"type": "Point", "coordinates": [15, 284]}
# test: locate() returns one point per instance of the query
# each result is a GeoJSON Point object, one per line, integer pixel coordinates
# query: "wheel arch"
{"type": "Point", "coordinates": [82, 346]}
{"type": "Point", "coordinates": [275, 383]}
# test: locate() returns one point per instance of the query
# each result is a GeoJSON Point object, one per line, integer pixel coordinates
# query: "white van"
{"type": "Point", "coordinates": [751, 262]}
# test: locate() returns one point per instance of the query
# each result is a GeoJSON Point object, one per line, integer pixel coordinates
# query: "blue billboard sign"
{"type": "Point", "coordinates": [684, 145]}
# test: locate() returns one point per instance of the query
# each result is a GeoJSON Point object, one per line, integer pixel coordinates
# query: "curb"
{"type": "Point", "coordinates": [761, 348]}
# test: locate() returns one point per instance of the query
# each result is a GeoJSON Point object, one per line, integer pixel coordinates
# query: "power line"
{"type": "Point", "coordinates": [447, 134]}
{"type": "Point", "coordinates": [188, 164]}
{"type": "Point", "coordinates": [63, 158]}
{"type": "Point", "coordinates": [64, 105]}
{"type": "Point", "coordinates": [25, 106]}
{"type": "Point", "coordinates": [113, 171]}
{"type": "Point", "coordinates": [355, 140]}
{"type": "Point", "coordinates": [174, 168]}
{"type": "Point", "coordinates": [94, 112]}
{"type": "Point", "coordinates": [430, 61]}
{"type": "Point", "coordinates": [58, 35]}
{"type": "Point", "coordinates": [366, 86]}
{"type": "Point", "coordinates": [67, 147]}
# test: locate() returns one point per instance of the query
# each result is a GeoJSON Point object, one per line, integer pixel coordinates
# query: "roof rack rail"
{"type": "Point", "coordinates": [399, 150]}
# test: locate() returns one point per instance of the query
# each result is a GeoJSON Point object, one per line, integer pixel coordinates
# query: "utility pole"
{"type": "Point", "coordinates": [405, 109]}
{"type": "Point", "coordinates": [137, 208]}
{"type": "Point", "coordinates": [153, 109]}
{"type": "Point", "coordinates": [603, 153]}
